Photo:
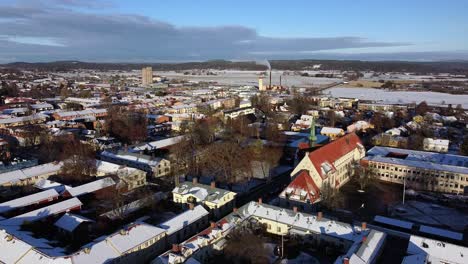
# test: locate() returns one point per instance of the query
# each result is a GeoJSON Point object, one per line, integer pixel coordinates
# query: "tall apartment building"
{"type": "Point", "coordinates": [420, 170]}
{"type": "Point", "coordinates": [147, 76]}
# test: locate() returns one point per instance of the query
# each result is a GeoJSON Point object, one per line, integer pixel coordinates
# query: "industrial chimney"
{"type": "Point", "coordinates": [270, 78]}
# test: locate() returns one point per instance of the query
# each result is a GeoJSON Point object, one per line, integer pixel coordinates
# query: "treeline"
{"type": "Point", "coordinates": [459, 67]}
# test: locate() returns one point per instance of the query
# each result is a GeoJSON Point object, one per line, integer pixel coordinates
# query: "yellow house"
{"type": "Point", "coordinates": [418, 119]}
{"type": "Point", "coordinates": [218, 201]}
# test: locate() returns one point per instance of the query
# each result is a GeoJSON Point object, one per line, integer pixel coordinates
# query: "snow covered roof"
{"type": "Point", "coordinates": [201, 191]}
{"type": "Point", "coordinates": [441, 232]}
{"type": "Point", "coordinates": [435, 252]}
{"type": "Point", "coordinates": [87, 112]}
{"type": "Point", "coordinates": [112, 168]}
{"type": "Point", "coordinates": [133, 157]}
{"type": "Point", "coordinates": [116, 244]}
{"type": "Point", "coordinates": [393, 222]}
{"type": "Point", "coordinates": [11, 248]}
{"type": "Point", "coordinates": [37, 257]}
{"type": "Point", "coordinates": [91, 187]}
{"type": "Point", "coordinates": [133, 236]}
{"type": "Point", "coordinates": [164, 143]}
{"type": "Point", "coordinates": [301, 221]}
{"type": "Point", "coordinates": [331, 130]}
{"type": "Point", "coordinates": [17, 175]}
{"type": "Point", "coordinates": [45, 184]}
{"type": "Point", "coordinates": [70, 222]}
{"type": "Point", "coordinates": [44, 212]}
{"type": "Point", "coordinates": [302, 188]}
{"type": "Point", "coordinates": [420, 159]}
{"type": "Point", "coordinates": [439, 142]}
{"type": "Point", "coordinates": [186, 218]}
{"type": "Point", "coordinates": [35, 117]}
{"type": "Point", "coordinates": [38, 106]}
{"type": "Point", "coordinates": [28, 200]}
{"type": "Point", "coordinates": [369, 248]}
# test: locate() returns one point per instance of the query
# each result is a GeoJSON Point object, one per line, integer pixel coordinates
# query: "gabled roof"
{"type": "Point", "coordinates": [28, 200]}
{"type": "Point", "coordinates": [70, 222]}
{"type": "Point", "coordinates": [333, 151]}
{"type": "Point", "coordinates": [186, 218]}
{"type": "Point", "coordinates": [303, 188]}
{"type": "Point", "coordinates": [44, 212]}
{"type": "Point", "coordinates": [91, 187]}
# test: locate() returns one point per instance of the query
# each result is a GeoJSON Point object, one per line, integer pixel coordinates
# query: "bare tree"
{"type": "Point", "coordinates": [129, 127]}
{"type": "Point", "coordinates": [245, 247]}
{"type": "Point", "coordinates": [264, 157]}
{"type": "Point", "coordinates": [228, 161]}
{"type": "Point", "coordinates": [365, 175]}
{"type": "Point", "coordinates": [79, 161]}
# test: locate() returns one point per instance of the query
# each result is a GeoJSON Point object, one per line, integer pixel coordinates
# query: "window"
{"type": "Point", "coordinates": [278, 229]}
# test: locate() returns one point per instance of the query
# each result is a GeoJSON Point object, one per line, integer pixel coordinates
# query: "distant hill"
{"type": "Point", "coordinates": [456, 67]}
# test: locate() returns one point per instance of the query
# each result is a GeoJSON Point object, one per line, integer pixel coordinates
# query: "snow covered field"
{"type": "Point", "coordinates": [250, 78]}
{"type": "Point", "coordinates": [398, 96]}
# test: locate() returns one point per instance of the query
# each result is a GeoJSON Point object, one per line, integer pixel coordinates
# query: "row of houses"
{"type": "Point", "coordinates": [136, 242]}
{"type": "Point", "coordinates": [356, 244]}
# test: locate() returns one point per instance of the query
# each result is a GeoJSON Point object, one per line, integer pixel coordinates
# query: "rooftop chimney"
{"type": "Point", "coordinates": [295, 209]}
{"type": "Point", "coordinates": [175, 248]}
{"type": "Point", "coordinates": [213, 184]}
{"type": "Point", "coordinates": [195, 180]}
{"type": "Point", "coordinates": [260, 201]}
{"type": "Point", "coordinates": [319, 216]}
{"type": "Point", "coordinates": [191, 206]}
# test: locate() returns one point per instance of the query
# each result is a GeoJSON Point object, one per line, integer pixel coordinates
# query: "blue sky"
{"type": "Point", "coordinates": [179, 30]}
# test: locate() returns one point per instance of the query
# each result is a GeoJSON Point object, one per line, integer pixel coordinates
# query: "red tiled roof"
{"type": "Point", "coordinates": [303, 182]}
{"type": "Point", "coordinates": [333, 151]}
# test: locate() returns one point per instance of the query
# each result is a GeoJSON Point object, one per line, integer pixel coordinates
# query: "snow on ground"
{"type": "Point", "coordinates": [301, 259]}
{"type": "Point", "coordinates": [398, 96]}
{"type": "Point", "coordinates": [432, 214]}
{"type": "Point", "coordinates": [251, 78]}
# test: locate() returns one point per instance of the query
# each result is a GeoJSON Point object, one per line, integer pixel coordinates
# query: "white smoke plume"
{"type": "Point", "coordinates": [264, 62]}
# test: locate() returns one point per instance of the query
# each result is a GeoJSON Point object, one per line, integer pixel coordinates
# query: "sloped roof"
{"type": "Point", "coordinates": [303, 186]}
{"type": "Point", "coordinates": [43, 212]}
{"type": "Point", "coordinates": [91, 187]}
{"type": "Point", "coordinates": [333, 151]}
{"type": "Point", "coordinates": [186, 218]}
{"type": "Point", "coordinates": [70, 222]}
{"type": "Point", "coordinates": [28, 200]}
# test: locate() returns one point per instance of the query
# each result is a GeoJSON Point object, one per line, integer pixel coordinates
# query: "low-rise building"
{"type": "Point", "coordinates": [419, 170]}
{"type": "Point", "coordinates": [423, 250]}
{"type": "Point", "coordinates": [332, 132]}
{"type": "Point", "coordinates": [87, 115]}
{"type": "Point", "coordinates": [234, 113]}
{"type": "Point", "coordinates": [23, 120]}
{"type": "Point", "coordinates": [380, 107]}
{"type": "Point", "coordinates": [360, 125]}
{"type": "Point", "coordinates": [185, 224]}
{"type": "Point", "coordinates": [131, 177]}
{"type": "Point", "coordinates": [29, 176]}
{"type": "Point", "coordinates": [156, 167]}
{"type": "Point", "coordinates": [218, 201]}
{"type": "Point", "coordinates": [355, 244]}
{"type": "Point", "coordinates": [436, 145]}
{"type": "Point", "coordinates": [327, 167]}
